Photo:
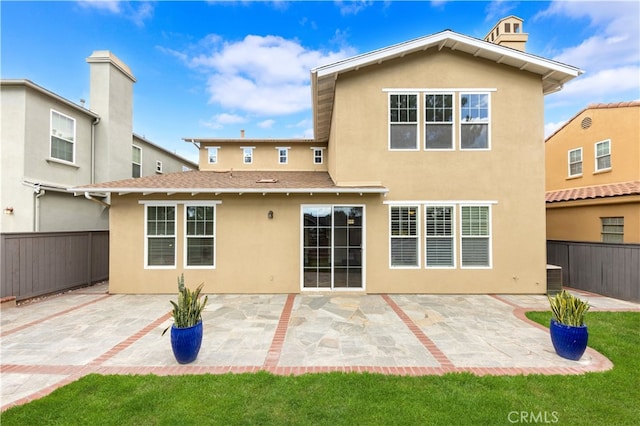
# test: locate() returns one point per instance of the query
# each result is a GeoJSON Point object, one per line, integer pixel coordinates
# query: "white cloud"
{"type": "Point", "coordinates": [266, 124]}
{"type": "Point", "coordinates": [550, 128]}
{"type": "Point", "coordinates": [218, 121]}
{"type": "Point", "coordinates": [352, 7]}
{"type": "Point", "coordinates": [137, 12]}
{"type": "Point", "coordinates": [604, 83]}
{"type": "Point", "coordinates": [112, 6]}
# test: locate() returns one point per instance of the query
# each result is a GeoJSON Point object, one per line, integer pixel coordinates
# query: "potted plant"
{"type": "Point", "coordinates": [186, 330]}
{"type": "Point", "coordinates": [568, 331]}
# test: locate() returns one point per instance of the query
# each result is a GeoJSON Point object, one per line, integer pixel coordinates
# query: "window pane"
{"type": "Point", "coordinates": [575, 169]}
{"type": "Point", "coordinates": [200, 251]}
{"type": "Point", "coordinates": [475, 221]}
{"type": "Point", "coordinates": [440, 251]}
{"type": "Point", "coordinates": [474, 136]}
{"type": "Point", "coordinates": [161, 251]}
{"type": "Point", "coordinates": [404, 252]}
{"type": "Point", "coordinates": [475, 252]}
{"type": "Point", "coordinates": [439, 136]}
{"type": "Point", "coordinates": [404, 136]}
{"type": "Point", "coordinates": [61, 149]}
{"type": "Point", "coordinates": [604, 162]}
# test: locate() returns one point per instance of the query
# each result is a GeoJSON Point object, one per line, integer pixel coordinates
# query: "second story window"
{"type": "Point", "coordinates": [283, 155]}
{"type": "Point", "coordinates": [438, 121]}
{"type": "Point", "coordinates": [158, 166]}
{"type": "Point", "coordinates": [136, 161]}
{"type": "Point", "coordinates": [63, 136]}
{"type": "Point", "coordinates": [212, 153]}
{"type": "Point", "coordinates": [474, 121]}
{"type": "Point", "coordinates": [403, 121]}
{"type": "Point", "coordinates": [603, 155]}
{"type": "Point", "coordinates": [247, 154]}
{"type": "Point", "coordinates": [318, 155]}
{"type": "Point", "coordinates": [575, 162]}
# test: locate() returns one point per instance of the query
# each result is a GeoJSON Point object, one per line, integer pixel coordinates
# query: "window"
{"type": "Point", "coordinates": [404, 236]}
{"type": "Point", "coordinates": [136, 161]}
{"type": "Point", "coordinates": [475, 236]}
{"type": "Point", "coordinates": [612, 229]}
{"type": "Point", "coordinates": [212, 152]}
{"type": "Point", "coordinates": [507, 27]}
{"type": "Point", "coordinates": [63, 136]}
{"type": "Point", "coordinates": [283, 155]}
{"type": "Point", "coordinates": [474, 121]}
{"type": "Point", "coordinates": [160, 236]}
{"type": "Point", "coordinates": [516, 28]}
{"type": "Point", "coordinates": [439, 121]}
{"type": "Point", "coordinates": [575, 162]}
{"type": "Point", "coordinates": [158, 166]}
{"type": "Point", "coordinates": [200, 235]}
{"type": "Point", "coordinates": [439, 246]}
{"type": "Point", "coordinates": [403, 122]}
{"type": "Point", "coordinates": [603, 155]}
{"type": "Point", "coordinates": [247, 154]}
{"type": "Point", "coordinates": [318, 155]}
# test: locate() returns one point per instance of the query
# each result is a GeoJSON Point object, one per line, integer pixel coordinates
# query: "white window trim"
{"type": "Point", "coordinates": [488, 123]}
{"type": "Point", "coordinates": [286, 155]}
{"type": "Point", "coordinates": [417, 236]}
{"type": "Point", "coordinates": [490, 236]}
{"type": "Point", "coordinates": [146, 236]}
{"type": "Point", "coordinates": [159, 166]}
{"type": "Point", "coordinates": [595, 156]}
{"type": "Point", "coordinates": [569, 163]}
{"type": "Point", "coordinates": [453, 122]}
{"type": "Point", "coordinates": [215, 149]}
{"type": "Point", "coordinates": [321, 149]}
{"type": "Point", "coordinates": [186, 237]}
{"type": "Point", "coordinates": [73, 142]}
{"type": "Point", "coordinates": [133, 162]}
{"type": "Point", "coordinates": [244, 160]}
{"type": "Point", "coordinates": [454, 230]}
{"type": "Point", "coordinates": [417, 123]}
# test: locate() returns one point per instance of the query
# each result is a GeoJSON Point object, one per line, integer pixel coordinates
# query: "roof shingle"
{"type": "Point", "coordinates": [596, 191]}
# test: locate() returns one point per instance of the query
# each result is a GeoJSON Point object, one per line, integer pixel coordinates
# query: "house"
{"type": "Point", "coordinates": [593, 175]}
{"type": "Point", "coordinates": [49, 143]}
{"type": "Point", "coordinates": [425, 175]}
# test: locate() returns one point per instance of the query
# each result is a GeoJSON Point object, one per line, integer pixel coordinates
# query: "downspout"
{"type": "Point", "coordinates": [39, 192]}
{"type": "Point", "coordinates": [93, 149]}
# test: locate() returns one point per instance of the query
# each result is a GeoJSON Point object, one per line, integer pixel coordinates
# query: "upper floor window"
{"type": "Point", "coordinates": [136, 161]}
{"type": "Point", "coordinates": [63, 136]}
{"type": "Point", "coordinates": [318, 155]}
{"type": "Point", "coordinates": [612, 229]}
{"type": "Point", "coordinates": [575, 162]}
{"type": "Point", "coordinates": [404, 236]}
{"type": "Point", "coordinates": [212, 153]}
{"type": "Point", "coordinates": [603, 155]}
{"type": "Point", "coordinates": [158, 166]}
{"type": "Point", "coordinates": [403, 121]}
{"type": "Point", "coordinates": [474, 121]}
{"type": "Point", "coordinates": [247, 154]}
{"type": "Point", "coordinates": [283, 155]}
{"type": "Point", "coordinates": [438, 121]}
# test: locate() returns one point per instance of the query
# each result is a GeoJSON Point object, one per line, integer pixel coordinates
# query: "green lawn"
{"type": "Point", "coordinates": [609, 398]}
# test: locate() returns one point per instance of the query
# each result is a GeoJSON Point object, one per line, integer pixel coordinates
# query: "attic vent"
{"type": "Point", "coordinates": [586, 123]}
{"type": "Point", "coordinates": [267, 181]}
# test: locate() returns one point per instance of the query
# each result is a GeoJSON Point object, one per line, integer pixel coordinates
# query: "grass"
{"type": "Point", "coordinates": [608, 398]}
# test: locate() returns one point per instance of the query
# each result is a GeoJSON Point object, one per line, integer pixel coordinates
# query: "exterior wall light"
{"type": "Point", "coordinates": [8, 210]}
{"type": "Point", "coordinates": [270, 214]}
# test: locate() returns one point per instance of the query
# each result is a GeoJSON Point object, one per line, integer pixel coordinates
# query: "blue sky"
{"type": "Point", "coordinates": [209, 69]}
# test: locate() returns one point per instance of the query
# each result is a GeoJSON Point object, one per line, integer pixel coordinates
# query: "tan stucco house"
{"type": "Point", "coordinates": [593, 175]}
{"type": "Point", "coordinates": [425, 175]}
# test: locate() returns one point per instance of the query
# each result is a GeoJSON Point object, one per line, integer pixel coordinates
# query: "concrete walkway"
{"type": "Point", "coordinates": [56, 340]}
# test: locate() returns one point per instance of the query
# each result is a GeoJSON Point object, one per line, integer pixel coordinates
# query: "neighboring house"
{"type": "Point", "coordinates": [593, 176]}
{"type": "Point", "coordinates": [49, 143]}
{"type": "Point", "coordinates": [425, 175]}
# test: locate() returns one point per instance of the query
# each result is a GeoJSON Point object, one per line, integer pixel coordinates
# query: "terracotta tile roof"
{"type": "Point", "coordinates": [597, 191]}
{"type": "Point", "coordinates": [230, 182]}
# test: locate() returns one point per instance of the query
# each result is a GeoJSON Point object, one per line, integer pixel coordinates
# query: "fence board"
{"type": "Point", "coordinates": [38, 263]}
{"type": "Point", "coordinates": [604, 268]}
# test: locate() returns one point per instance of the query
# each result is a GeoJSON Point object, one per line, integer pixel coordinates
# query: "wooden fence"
{"type": "Point", "coordinates": [38, 263]}
{"type": "Point", "coordinates": [604, 268]}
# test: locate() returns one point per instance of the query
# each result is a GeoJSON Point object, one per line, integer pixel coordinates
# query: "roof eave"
{"type": "Point", "coordinates": [336, 190]}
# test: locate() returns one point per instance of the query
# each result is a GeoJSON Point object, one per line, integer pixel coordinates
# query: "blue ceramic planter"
{"type": "Point", "coordinates": [570, 342]}
{"type": "Point", "coordinates": [186, 342]}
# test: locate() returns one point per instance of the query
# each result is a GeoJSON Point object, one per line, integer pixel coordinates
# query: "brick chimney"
{"type": "Point", "coordinates": [508, 32]}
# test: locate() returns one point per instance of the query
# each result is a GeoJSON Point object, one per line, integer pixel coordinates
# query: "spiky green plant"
{"type": "Point", "coordinates": [568, 309]}
{"type": "Point", "coordinates": [188, 311]}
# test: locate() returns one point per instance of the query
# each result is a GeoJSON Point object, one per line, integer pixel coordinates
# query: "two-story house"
{"type": "Point", "coordinates": [593, 175]}
{"type": "Point", "coordinates": [425, 175]}
{"type": "Point", "coordinates": [49, 143]}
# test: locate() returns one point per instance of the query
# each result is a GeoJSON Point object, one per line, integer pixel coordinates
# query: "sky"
{"type": "Point", "coordinates": [212, 68]}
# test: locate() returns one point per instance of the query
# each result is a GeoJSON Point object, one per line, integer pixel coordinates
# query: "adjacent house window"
{"type": "Point", "coordinates": [136, 161]}
{"type": "Point", "coordinates": [247, 154]}
{"type": "Point", "coordinates": [603, 155]}
{"type": "Point", "coordinates": [63, 136]}
{"type": "Point", "coordinates": [475, 236]}
{"type": "Point", "coordinates": [158, 166]}
{"type": "Point", "coordinates": [212, 152]}
{"type": "Point", "coordinates": [474, 121]}
{"type": "Point", "coordinates": [438, 121]}
{"type": "Point", "coordinates": [404, 236]}
{"type": "Point", "coordinates": [439, 235]}
{"type": "Point", "coordinates": [160, 235]}
{"type": "Point", "coordinates": [283, 155]}
{"type": "Point", "coordinates": [200, 235]}
{"type": "Point", "coordinates": [612, 229]}
{"type": "Point", "coordinates": [575, 162]}
{"type": "Point", "coordinates": [403, 121]}
{"type": "Point", "coordinates": [318, 155]}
